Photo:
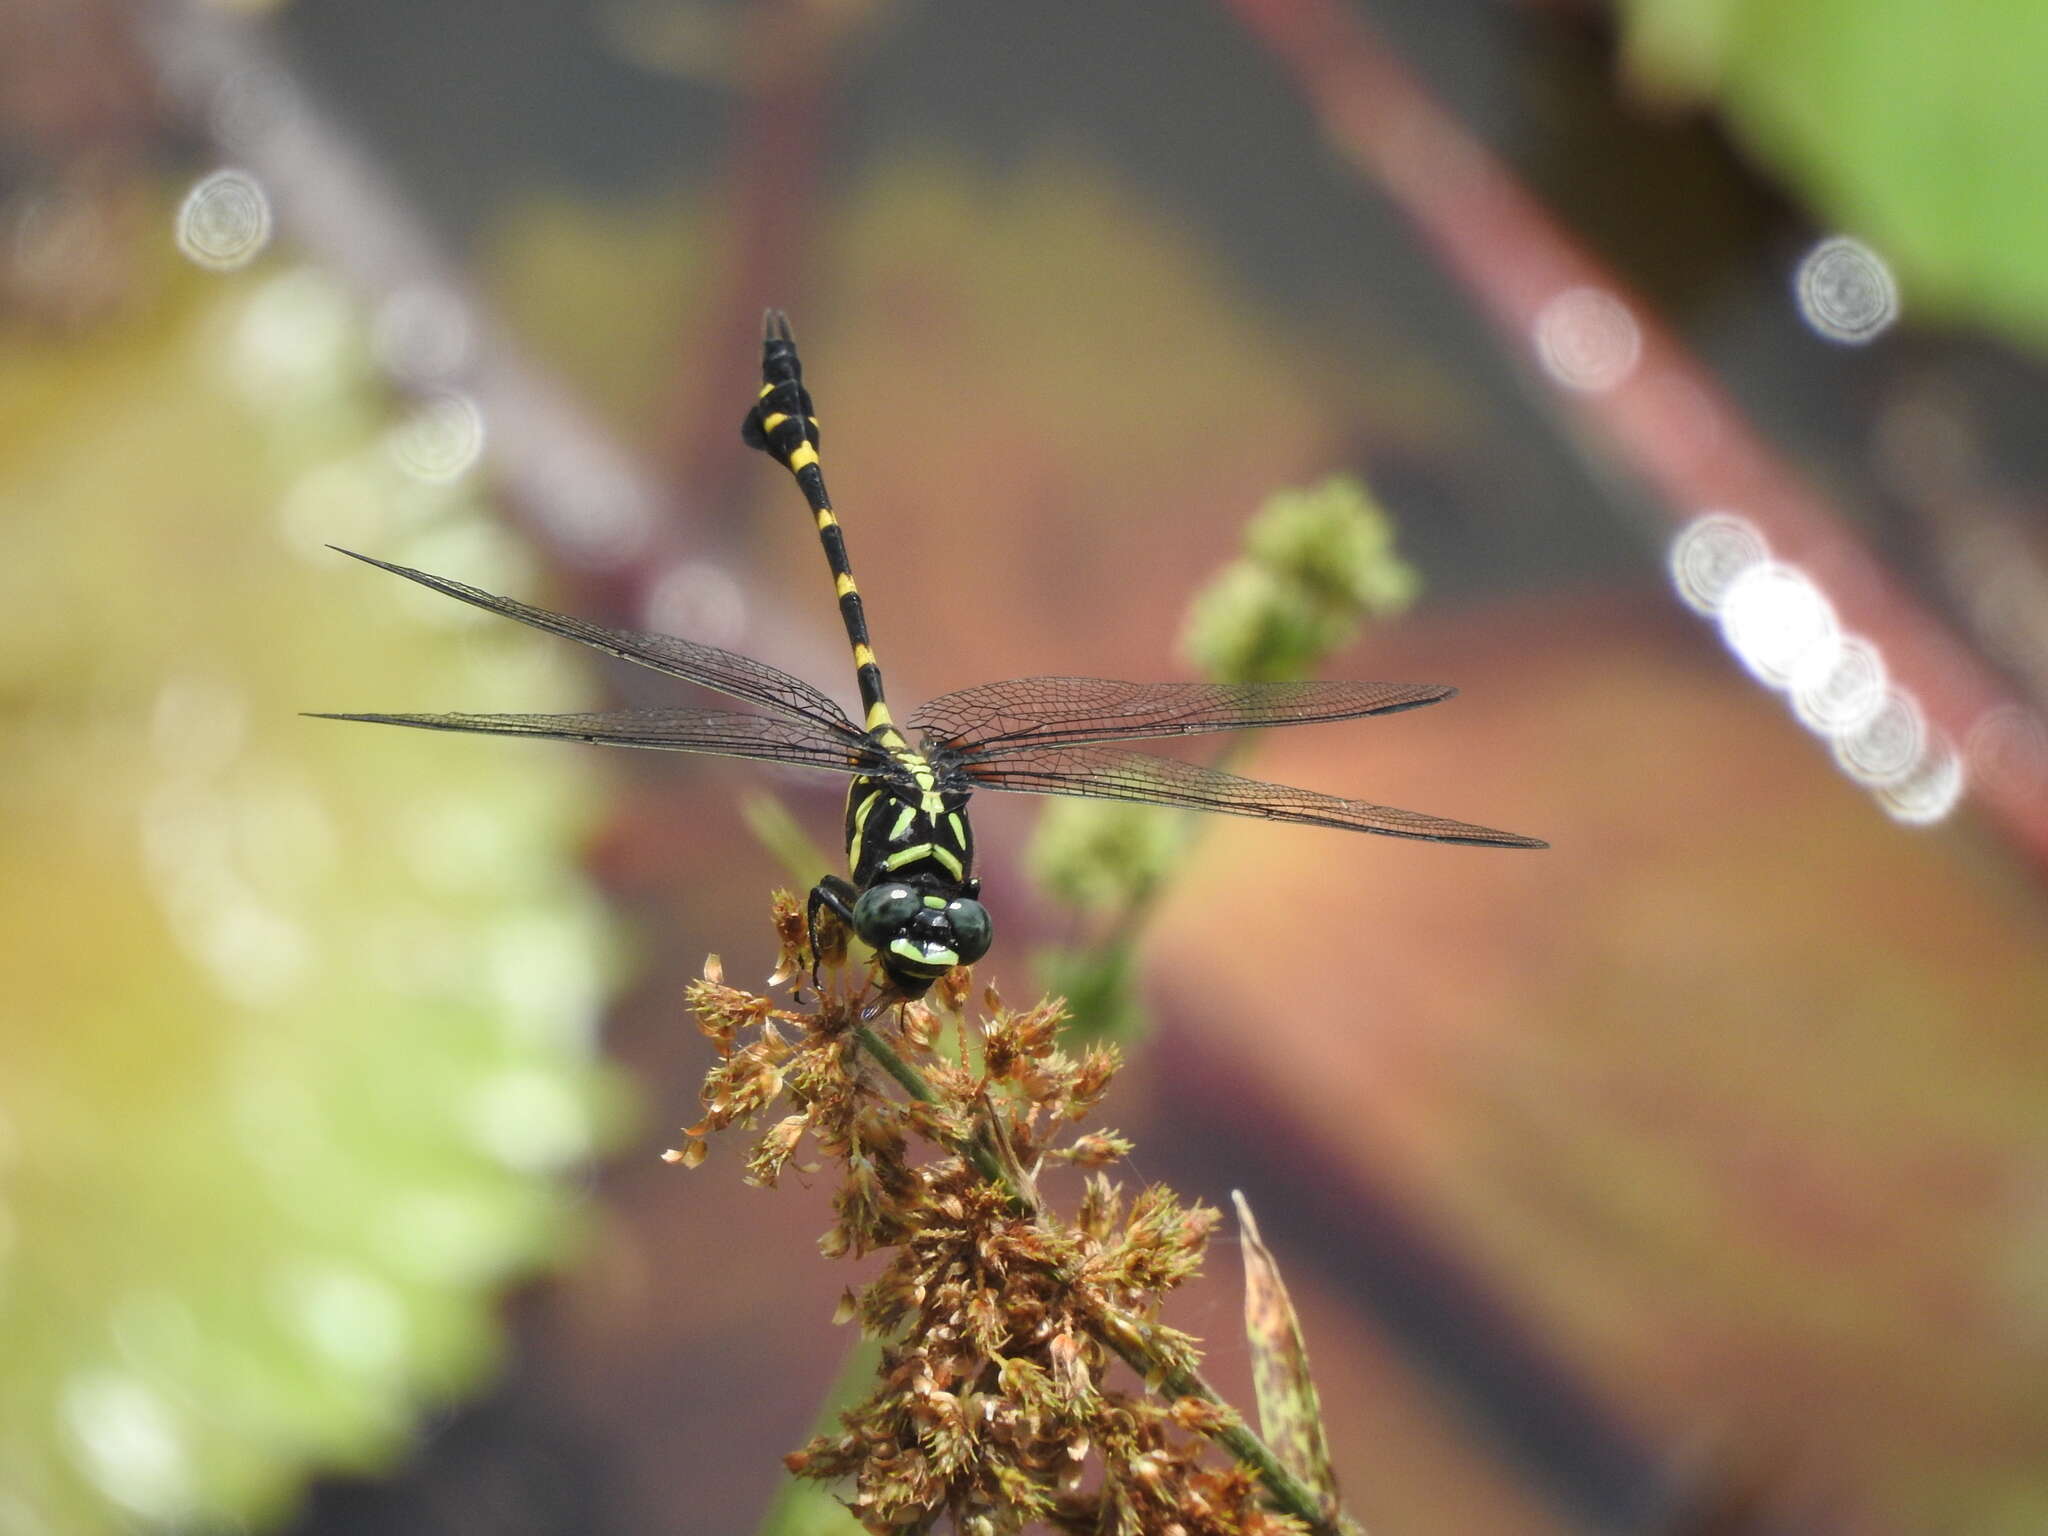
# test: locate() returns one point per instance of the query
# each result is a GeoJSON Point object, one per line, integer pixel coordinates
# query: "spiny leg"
{"type": "Point", "coordinates": [835, 895]}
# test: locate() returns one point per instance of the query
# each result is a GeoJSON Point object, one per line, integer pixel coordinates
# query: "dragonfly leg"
{"type": "Point", "coordinates": [834, 895]}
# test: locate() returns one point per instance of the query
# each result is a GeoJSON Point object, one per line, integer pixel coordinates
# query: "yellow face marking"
{"type": "Point", "coordinates": [803, 457]}
{"type": "Point", "coordinates": [910, 952]}
{"type": "Point", "coordinates": [936, 903]}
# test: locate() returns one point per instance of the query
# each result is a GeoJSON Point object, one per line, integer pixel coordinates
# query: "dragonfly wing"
{"type": "Point", "coordinates": [726, 672]}
{"type": "Point", "coordinates": [1027, 713]}
{"type": "Point", "coordinates": [1106, 774]}
{"type": "Point", "coordinates": [716, 732]}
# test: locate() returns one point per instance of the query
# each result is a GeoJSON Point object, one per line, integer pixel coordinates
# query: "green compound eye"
{"type": "Point", "coordinates": [972, 930]}
{"type": "Point", "coordinates": [882, 911]}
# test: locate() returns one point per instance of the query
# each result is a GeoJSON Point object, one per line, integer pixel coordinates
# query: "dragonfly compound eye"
{"type": "Point", "coordinates": [972, 930]}
{"type": "Point", "coordinates": [883, 911]}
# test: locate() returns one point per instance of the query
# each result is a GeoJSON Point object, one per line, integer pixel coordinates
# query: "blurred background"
{"type": "Point", "coordinates": [1691, 1176]}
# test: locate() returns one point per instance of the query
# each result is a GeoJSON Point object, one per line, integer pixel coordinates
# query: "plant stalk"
{"type": "Point", "coordinates": [1129, 1337]}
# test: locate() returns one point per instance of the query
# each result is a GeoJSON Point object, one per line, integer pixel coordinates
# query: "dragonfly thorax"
{"type": "Point", "coordinates": [910, 851]}
{"type": "Point", "coordinates": [909, 823]}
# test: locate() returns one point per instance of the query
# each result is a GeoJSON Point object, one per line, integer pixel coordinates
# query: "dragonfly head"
{"type": "Point", "coordinates": [921, 933]}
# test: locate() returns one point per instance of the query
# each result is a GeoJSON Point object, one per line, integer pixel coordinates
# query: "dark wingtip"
{"type": "Point", "coordinates": [382, 565]}
{"type": "Point", "coordinates": [1493, 837]}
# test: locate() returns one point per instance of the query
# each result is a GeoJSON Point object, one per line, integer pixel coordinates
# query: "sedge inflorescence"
{"type": "Point", "coordinates": [1001, 1401]}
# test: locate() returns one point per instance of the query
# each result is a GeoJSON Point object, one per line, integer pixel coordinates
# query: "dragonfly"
{"type": "Point", "coordinates": [910, 892]}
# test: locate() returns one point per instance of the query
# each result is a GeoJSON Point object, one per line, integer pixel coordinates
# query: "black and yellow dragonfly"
{"type": "Point", "coordinates": [912, 894]}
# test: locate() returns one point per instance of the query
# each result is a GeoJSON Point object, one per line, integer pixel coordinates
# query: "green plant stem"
{"type": "Point", "coordinates": [1130, 1338]}
{"type": "Point", "coordinates": [986, 1163]}
{"type": "Point", "coordinates": [1129, 923]}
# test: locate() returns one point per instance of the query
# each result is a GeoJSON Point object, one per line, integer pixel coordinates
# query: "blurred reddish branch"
{"type": "Point", "coordinates": [786, 51]}
{"type": "Point", "coordinates": [1666, 418]}
{"type": "Point", "coordinates": [595, 510]}
{"type": "Point", "coordinates": [70, 83]}
{"type": "Point", "coordinates": [590, 506]}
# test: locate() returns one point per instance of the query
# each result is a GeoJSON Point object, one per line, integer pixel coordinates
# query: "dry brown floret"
{"type": "Point", "coordinates": [1001, 1401]}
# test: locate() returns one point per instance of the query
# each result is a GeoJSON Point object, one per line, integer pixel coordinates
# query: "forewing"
{"type": "Point", "coordinates": [1100, 773]}
{"type": "Point", "coordinates": [717, 732]}
{"type": "Point", "coordinates": [726, 672]}
{"type": "Point", "coordinates": [1001, 720]}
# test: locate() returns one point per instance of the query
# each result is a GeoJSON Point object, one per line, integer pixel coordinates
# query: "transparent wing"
{"type": "Point", "coordinates": [717, 732]}
{"type": "Point", "coordinates": [1098, 773]}
{"type": "Point", "coordinates": [725, 672]}
{"type": "Point", "coordinates": [1000, 720]}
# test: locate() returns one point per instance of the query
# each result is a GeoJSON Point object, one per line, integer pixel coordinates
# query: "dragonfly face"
{"type": "Point", "coordinates": [913, 896]}
{"type": "Point", "coordinates": [920, 932]}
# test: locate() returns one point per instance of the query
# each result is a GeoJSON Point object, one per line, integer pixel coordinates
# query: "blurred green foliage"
{"type": "Point", "coordinates": [1919, 125]}
{"type": "Point", "coordinates": [1318, 564]}
{"type": "Point", "coordinates": [298, 1046]}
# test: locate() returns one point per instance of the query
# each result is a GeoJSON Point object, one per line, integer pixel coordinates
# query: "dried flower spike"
{"type": "Point", "coordinates": [1025, 1377]}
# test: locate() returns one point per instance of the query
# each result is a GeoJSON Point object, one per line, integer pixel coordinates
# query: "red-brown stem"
{"type": "Point", "coordinates": [1669, 420]}
{"type": "Point", "coordinates": [778, 137]}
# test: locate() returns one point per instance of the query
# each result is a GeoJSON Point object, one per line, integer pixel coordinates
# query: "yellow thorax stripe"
{"type": "Point", "coordinates": [859, 819]}
{"type": "Point", "coordinates": [944, 857]}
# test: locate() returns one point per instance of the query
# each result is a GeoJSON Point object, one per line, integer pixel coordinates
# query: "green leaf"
{"type": "Point", "coordinates": [785, 837]}
{"type": "Point", "coordinates": [1290, 1417]}
{"type": "Point", "coordinates": [297, 1053]}
{"type": "Point", "coordinates": [806, 1508]}
{"type": "Point", "coordinates": [1917, 125]}
{"type": "Point", "coordinates": [1099, 984]}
